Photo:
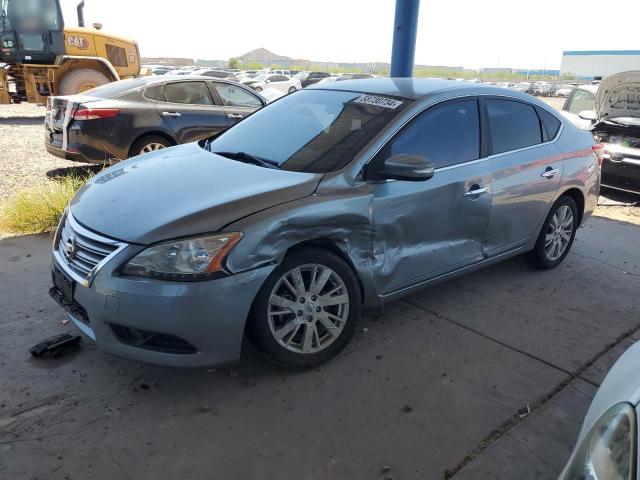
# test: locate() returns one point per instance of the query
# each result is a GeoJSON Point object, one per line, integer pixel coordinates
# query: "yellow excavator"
{"type": "Point", "coordinates": [40, 57]}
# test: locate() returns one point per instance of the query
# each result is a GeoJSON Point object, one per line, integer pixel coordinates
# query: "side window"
{"type": "Point", "coordinates": [233, 96]}
{"type": "Point", "coordinates": [581, 101]}
{"type": "Point", "coordinates": [193, 93]}
{"type": "Point", "coordinates": [155, 93]}
{"type": "Point", "coordinates": [550, 123]}
{"type": "Point", "coordinates": [116, 55]}
{"type": "Point", "coordinates": [513, 125]}
{"type": "Point", "coordinates": [447, 134]}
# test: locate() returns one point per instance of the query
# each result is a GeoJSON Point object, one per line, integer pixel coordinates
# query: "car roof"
{"type": "Point", "coordinates": [415, 88]}
{"type": "Point", "coordinates": [589, 88]}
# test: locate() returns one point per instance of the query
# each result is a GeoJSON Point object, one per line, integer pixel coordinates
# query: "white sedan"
{"type": "Point", "coordinates": [280, 82]}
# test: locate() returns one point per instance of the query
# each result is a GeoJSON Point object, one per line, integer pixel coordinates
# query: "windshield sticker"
{"type": "Point", "coordinates": [378, 101]}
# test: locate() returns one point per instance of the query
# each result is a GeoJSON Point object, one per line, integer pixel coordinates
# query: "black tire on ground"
{"type": "Point", "coordinates": [259, 332]}
{"type": "Point", "coordinates": [258, 89]}
{"type": "Point", "coordinates": [292, 89]}
{"type": "Point", "coordinates": [147, 144]}
{"type": "Point", "coordinates": [538, 257]}
{"type": "Point", "coordinates": [80, 80]}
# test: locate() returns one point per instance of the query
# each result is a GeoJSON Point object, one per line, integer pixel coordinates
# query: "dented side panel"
{"type": "Point", "coordinates": [425, 229]}
{"type": "Point", "coordinates": [341, 217]}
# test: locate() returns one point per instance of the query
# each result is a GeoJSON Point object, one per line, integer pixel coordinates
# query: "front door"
{"type": "Point", "coordinates": [190, 112]}
{"type": "Point", "coordinates": [238, 102]}
{"type": "Point", "coordinates": [424, 229]}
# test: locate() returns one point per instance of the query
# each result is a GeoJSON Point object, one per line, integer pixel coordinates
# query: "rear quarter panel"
{"type": "Point", "coordinates": [581, 167]}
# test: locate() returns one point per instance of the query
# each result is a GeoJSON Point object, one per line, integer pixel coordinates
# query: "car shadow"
{"type": "Point", "coordinates": [612, 197]}
{"type": "Point", "coordinates": [21, 120]}
{"type": "Point", "coordinates": [75, 171]}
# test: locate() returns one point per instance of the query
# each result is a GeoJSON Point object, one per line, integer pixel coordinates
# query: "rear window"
{"type": "Point", "coordinates": [114, 89]}
{"type": "Point", "coordinates": [513, 125]}
{"type": "Point", "coordinates": [550, 123]}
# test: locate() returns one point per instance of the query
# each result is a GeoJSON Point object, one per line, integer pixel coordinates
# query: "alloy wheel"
{"type": "Point", "coordinates": [151, 147]}
{"type": "Point", "coordinates": [308, 308]}
{"type": "Point", "coordinates": [559, 232]}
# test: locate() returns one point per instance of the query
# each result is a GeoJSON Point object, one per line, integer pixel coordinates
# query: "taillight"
{"type": "Point", "coordinates": [598, 149]}
{"type": "Point", "coordinates": [94, 113]}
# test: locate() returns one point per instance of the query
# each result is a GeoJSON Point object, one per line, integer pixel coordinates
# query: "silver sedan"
{"type": "Point", "coordinates": [328, 200]}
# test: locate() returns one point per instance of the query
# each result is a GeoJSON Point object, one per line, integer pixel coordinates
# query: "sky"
{"type": "Point", "coordinates": [468, 33]}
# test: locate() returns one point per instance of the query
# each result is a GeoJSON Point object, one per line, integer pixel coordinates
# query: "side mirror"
{"type": "Point", "coordinates": [405, 166]}
{"type": "Point", "coordinates": [588, 115]}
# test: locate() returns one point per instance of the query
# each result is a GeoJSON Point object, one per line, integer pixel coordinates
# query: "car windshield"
{"type": "Point", "coordinates": [260, 78]}
{"type": "Point", "coordinates": [301, 75]}
{"type": "Point", "coordinates": [315, 131]}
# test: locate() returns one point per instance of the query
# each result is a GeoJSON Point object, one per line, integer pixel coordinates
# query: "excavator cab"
{"type": "Point", "coordinates": [32, 31]}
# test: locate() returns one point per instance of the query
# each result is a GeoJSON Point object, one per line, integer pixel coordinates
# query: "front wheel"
{"type": "Point", "coordinates": [556, 236]}
{"type": "Point", "coordinates": [292, 89]}
{"type": "Point", "coordinates": [258, 89]}
{"type": "Point", "coordinates": [307, 310]}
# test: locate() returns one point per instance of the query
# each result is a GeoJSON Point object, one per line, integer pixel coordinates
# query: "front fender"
{"type": "Point", "coordinates": [342, 218]}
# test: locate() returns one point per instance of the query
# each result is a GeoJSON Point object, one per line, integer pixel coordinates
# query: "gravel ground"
{"type": "Point", "coordinates": [25, 161]}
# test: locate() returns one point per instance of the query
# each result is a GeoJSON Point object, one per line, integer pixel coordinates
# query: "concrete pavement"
{"type": "Point", "coordinates": [431, 388]}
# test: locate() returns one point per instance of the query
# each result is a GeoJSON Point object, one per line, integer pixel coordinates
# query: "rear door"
{"type": "Point", "coordinates": [190, 112]}
{"type": "Point", "coordinates": [238, 102]}
{"type": "Point", "coordinates": [526, 166]}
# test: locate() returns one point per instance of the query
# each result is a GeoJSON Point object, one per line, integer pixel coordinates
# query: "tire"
{"type": "Point", "coordinates": [148, 143]}
{"type": "Point", "coordinates": [303, 320]}
{"type": "Point", "coordinates": [292, 89]}
{"type": "Point", "coordinates": [546, 254]}
{"type": "Point", "coordinates": [81, 80]}
{"type": "Point", "coordinates": [258, 89]}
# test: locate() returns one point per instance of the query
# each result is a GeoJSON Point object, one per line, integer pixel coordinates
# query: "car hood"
{"type": "Point", "coordinates": [181, 191]}
{"type": "Point", "coordinates": [619, 96]}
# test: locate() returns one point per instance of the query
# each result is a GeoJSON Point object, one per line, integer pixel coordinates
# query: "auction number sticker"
{"type": "Point", "coordinates": [377, 101]}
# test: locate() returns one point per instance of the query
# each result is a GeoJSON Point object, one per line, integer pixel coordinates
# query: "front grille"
{"type": "Point", "coordinates": [82, 250]}
{"type": "Point", "coordinates": [619, 181]}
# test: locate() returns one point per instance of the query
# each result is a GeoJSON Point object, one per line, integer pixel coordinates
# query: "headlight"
{"type": "Point", "coordinates": [183, 260]}
{"type": "Point", "coordinates": [608, 452]}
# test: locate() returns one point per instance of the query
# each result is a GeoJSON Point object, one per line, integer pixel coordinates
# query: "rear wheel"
{"type": "Point", "coordinates": [307, 310]}
{"type": "Point", "coordinates": [556, 236]}
{"type": "Point", "coordinates": [147, 144]}
{"type": "Point", "coordinates": [81, 80]}
{"type": "Point", "coordinates": [292, 89]}
{"type": "Point", "coordinates": [258, 89]}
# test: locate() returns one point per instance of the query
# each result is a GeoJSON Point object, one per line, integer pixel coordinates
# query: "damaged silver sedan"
{"type": "Point", "coordinates": [331, 199]}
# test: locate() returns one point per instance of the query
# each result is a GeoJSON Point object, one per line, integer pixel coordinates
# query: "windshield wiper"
{"type": "Point", "coordinates": [247, 158]}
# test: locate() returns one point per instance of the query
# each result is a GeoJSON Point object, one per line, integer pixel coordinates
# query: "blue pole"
{"type": "Point", "coordinates": [405, 29]}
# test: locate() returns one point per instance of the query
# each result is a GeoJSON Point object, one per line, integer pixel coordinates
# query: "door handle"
{"type": "Point", "coordinates": [171, 114]}
{"type": "Point", "coordinates": [477, 190]}
{"type": "Point", "coordinates": [549, 172]}
{"type": "Point", "coordinates": [235, 115]}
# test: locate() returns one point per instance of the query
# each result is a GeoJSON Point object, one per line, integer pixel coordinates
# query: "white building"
{"type": "Point", "coordinates": [599, 63]}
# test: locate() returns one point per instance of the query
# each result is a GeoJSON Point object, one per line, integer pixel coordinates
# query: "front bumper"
{"type": "Point", "coordinates": [621, 168]}
{"type": "Point", "coordinates": [210, 316]}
